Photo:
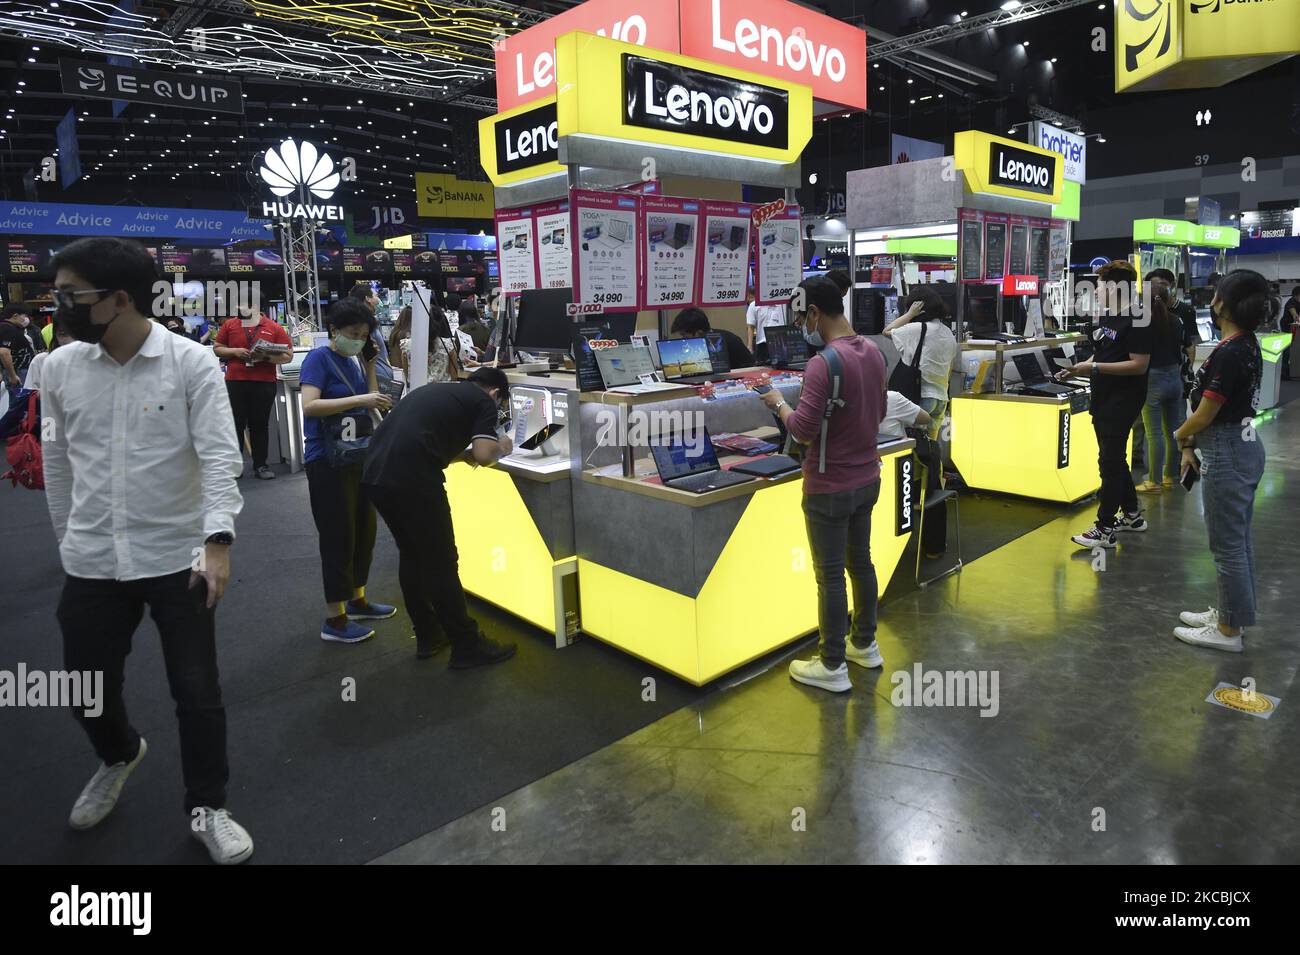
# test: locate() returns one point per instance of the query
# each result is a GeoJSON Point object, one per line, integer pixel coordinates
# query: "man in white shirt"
{"type": "Point", "coordinates": [140, 463]}
{"type": "Point", "coordinates": [926, 308]}
{"type": "Point", "coordinates": [758, 318]}
{"type": "Point", "coordinates": [901, 414]}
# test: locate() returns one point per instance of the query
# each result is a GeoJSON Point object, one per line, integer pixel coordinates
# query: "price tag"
{"type": "Point", "coordinates": [648, 378]}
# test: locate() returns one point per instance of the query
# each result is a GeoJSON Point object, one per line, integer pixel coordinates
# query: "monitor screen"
{"type": "Point", "coordinates": [677, 458]}
{"type": "Point", "coordinates": [462, 283]}
{"type": "Point", "coordinates": [786, 345]}
{"type": "Point", "coordinates": [1028, 366]}
{"type": "Point", "coordinates": [717, 352]}
{"type": "Point", "coordinates": [543, 323]}
{"type": "Point", "coordinates": [683, 357]}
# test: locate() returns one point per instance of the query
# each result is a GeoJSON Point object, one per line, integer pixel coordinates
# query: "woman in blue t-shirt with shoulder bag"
{"type": "Point", "coordinates": [1232, 457]}
{"type": "Point", "coordinates": [340, 396]}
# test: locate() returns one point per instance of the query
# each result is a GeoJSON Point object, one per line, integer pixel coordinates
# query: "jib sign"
{"type": "Point", "coordinates": [773, 38]}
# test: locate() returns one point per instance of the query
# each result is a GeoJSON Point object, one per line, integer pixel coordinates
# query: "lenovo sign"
{"type": "Point", "coordinates": [680, 99]}
{"type": "Point", "coordinates": [529, 139]}
{"type": "Point", "coordinates": [1021, 169]}
{"type": "Point", "coordinates": [783, 40]}
{"type": "Point", "coordinates": [771, 37]}
{"type": "Point", "coordinates": [1020, 285]}
{"type": "Point", "coordinates": [904, 495]}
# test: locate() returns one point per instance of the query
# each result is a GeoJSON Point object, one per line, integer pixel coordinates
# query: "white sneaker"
{"type": "Point", "coordinates": [1208, 637]}
{"type": "Point", "coordinates": [226, 840]}
{"type": "Point", "coordinates": [869, 658]}
{"type": "Point", "coordinates": [1208, 619]}
{"type": "Point", "coordinates": [814, 673]}
{"type": "Point", "coordinates": [100, 795]}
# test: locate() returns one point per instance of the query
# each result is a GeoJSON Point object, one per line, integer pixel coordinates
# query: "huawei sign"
{"type": "Point", "coordinates": [769, 37]}
{"type": "Point", "coordinates": [297, 173]}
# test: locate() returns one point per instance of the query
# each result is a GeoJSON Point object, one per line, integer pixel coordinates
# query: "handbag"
{"type": "Point", "coordinates": [906, 379]}
{"type": "Point", "coordinates": [347, 436]}
{"type": "Point", "coordinates": [23, 451]}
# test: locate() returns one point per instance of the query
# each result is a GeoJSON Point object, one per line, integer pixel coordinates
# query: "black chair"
{"type": "Point", "coordinates": [932, 528]}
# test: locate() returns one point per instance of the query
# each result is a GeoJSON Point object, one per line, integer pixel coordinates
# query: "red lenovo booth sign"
{"type": "Point", "coordinates": [1020, 285]}
{"type": "Point", "coordinates": [770, 37]}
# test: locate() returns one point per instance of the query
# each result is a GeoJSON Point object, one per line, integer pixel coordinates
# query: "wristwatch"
{"type": "Point", "coordinates": [221, 537]}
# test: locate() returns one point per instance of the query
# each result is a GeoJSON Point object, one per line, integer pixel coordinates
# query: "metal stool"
{"type": "Point", "coordinates": [929, 500]}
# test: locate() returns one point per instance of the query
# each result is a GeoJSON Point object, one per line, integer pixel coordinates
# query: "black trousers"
{"type": "Point", "coordinates": [428, 564]}
{"type": "Point", "coordinates": [251, 402]}
{"type": "Point", "coordinates": [1117, 490]}
{"type": "Point", "coordinates": [98, 619]}
{"type": "Point", "coordinates": [345, 523]}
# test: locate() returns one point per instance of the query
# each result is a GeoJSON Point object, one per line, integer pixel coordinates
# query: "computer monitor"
{"type": "Point", "coordinates": [674, 458]}
{"type": "Point", "coordinates": [543, 323]}
{"type": "Point", "coordinates": [718, 352]}
{"type": "Point", "coordinates": [462, 284]}
{"type": "Point", "coordinates": [684, 357]}
{"type": "Point", "coordinates": [1027, 364]}
{"type": "Point", "coordinates": [786, 345]}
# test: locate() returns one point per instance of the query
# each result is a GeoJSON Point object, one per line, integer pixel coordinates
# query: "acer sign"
{"type": "Point", "coordinates": [780, 39]}
{"type": "Point", "coordinates": [770, 37]}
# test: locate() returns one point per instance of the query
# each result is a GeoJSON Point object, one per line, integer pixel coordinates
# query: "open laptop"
{"type": "Point", "coordinates": [621, 369]}
{"type": "Point", "coordinates": [695, 469]}
{"type": "Point", "coordinates": [770, 466]}
{"type": "Point", "coordinates": [786, 347]}
{"type": "Point", "coordinates": [686, 360]}
{"type": "Point", "coordinates": [1035, 379]}
{"type": "Point", "coordinates": [615, 234]}
{"type": "Point", "coordinates": [790, 236]}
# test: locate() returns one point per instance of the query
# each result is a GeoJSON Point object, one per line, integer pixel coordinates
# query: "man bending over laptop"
{"type": "Point", "coordinates": [841, 479]}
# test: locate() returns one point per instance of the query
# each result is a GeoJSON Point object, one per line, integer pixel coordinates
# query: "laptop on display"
{"type": "Point", "coordinates": [1035, 379]}
{"type": "Point", "coordinates": [786, 347]}
{"type": "Point", "coordinates": [680, 236]}
{"type": "Point", "coordinates": [686, 360]}
{"type": "Point", "coordinates": [774, 465]}
{"type": "Point", "coordinates": [695, 469]}
{"type": "Point", "coordinates": [734, 239]}
{"type": "Point", "coordinates": [615, 234]}
{"type": "Point", "coordinates": [621, 369]}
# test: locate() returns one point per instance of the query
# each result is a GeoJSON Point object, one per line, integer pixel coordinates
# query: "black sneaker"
{"type": "Point", "coordinates": [481, 652]}
{"type": "Point", "coordinates": [424, 649]}
{"type": "Point", "coordinates": [1095, 536]}
{"type": "Point", "coordinates": [1132, 523]}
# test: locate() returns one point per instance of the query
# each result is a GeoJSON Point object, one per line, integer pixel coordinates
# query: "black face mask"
{"type": "Point", "coordinates": [76, 321]}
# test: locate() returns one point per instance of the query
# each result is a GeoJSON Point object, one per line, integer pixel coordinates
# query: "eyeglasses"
{"type": "Point", "coordinates": [67, 298]}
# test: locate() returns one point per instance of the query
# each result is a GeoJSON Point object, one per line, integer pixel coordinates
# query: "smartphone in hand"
{"type": "Point", "coordinates": [1190, 477]}
{"type": "Point", "coordinates": [369, 351]}
{"type": "Point", "coordinates": [762, 389]}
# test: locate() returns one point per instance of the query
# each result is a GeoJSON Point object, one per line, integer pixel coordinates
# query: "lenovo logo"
{"type": "Point", "coordinates": [681, 99]}
{"type": "Point", "coordinates": [1063, 440]}
{"type": "Point", "coordinates": [903, 476]}
{"type": "Point", "coordinates": [769, 45]}
{"type": "Point", "coordinates": [529, 139]}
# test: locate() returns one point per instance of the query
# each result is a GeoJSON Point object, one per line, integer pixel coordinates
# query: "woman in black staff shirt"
{"type": "Point", "coordinates": [1165, 408]}
{"type": "Point", "coordinates": [1118, 370]}
{"type": "Point", "coordinates": [1232, 457]}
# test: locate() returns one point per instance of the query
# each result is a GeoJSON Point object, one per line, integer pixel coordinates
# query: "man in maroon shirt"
{"type": "Point", "coordinates": [250, 377]}
{"type": "Point", "coordinates": [841, 486]}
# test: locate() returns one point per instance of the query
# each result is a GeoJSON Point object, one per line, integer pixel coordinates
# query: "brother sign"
{"type": "Point", "coordinates": [1073, 147]}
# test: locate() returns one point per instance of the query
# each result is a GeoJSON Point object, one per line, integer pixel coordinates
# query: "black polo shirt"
{"type": "Point", "coordinates": [1118, 398]}
{"type": "Point", "coordinates": [426, 431]}
{"type": "Point", "coordinates": [1232, 375]}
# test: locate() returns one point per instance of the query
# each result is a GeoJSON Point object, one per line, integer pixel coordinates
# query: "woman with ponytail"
{"type": "Point", "coordinates": [1232, 457]}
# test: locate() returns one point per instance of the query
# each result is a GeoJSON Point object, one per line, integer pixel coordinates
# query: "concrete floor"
{"type": "Point", "coordinates": [1101, 719]}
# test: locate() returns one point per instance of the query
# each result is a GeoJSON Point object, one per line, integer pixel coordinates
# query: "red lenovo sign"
{"type": "Point", "coordinates": [780, 39]}
{"type": "Point", "coordinates": [1020, 285]}
{"type": "Point", "coordinates": [770, 37]}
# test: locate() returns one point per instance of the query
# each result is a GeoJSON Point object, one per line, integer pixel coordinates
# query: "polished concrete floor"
{"type": "Point", "coordinates": [1102, 749]}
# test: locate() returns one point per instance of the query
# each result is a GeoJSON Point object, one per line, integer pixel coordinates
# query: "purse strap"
{"type": "Point", "coordinates": [346, 384]}
{"type": "Point", "coordinates": [920, 345]}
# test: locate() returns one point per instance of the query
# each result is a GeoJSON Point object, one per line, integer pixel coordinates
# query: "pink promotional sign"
{"type": "Point", "coordinates": [606, 243]}
{"type": "Point", "coordinates": [724, 246]}
{"type": "Point", "coordinates": [671, 230]}
{"type": "Point", "coordinates": [554, 245]}
{"type": "Point", "coordinates": [778, 257]}
{"type": "Point", "coordinates": [516, 250]}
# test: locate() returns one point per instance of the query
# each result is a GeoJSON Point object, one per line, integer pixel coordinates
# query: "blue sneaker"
{"type": "Point", "coordinates": [351, 633]}
{"type": "Point", "coordinates": [369, 611]}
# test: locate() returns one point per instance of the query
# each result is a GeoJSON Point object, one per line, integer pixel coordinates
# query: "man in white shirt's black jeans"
{"type": "Point", "coordinates": [140, 467]}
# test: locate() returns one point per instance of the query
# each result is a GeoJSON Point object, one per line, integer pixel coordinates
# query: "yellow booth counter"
{"type": "Point", "coordinates": [696, 584]}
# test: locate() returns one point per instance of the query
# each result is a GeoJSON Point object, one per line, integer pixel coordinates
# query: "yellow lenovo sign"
{"type": "Point", "coordinates": [440, 196]}
{"type": "Point", "coordinates": [997, 166]}
{"type": "Point", "coordinates": [521, 144]}
{"type": "Point", "coordinates": [619, 91]}
{"type": "Point", "coordinates": [1185, 44]}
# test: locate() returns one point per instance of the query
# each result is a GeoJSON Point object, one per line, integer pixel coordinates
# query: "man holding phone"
{"type": "Point", "coordinates": [140, 467]}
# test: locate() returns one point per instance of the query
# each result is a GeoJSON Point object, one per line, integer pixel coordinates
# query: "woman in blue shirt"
{"type": "Point", "coordinates": [334, 383]}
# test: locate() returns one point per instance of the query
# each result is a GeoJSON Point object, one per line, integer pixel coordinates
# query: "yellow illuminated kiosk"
{"type": "Point", "coordinates": [697, 584]}
{"type": "Point", "coordinates": [1041, 447]}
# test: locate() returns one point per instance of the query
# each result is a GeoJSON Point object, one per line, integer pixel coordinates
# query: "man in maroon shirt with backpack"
{"type": "Point", "coordinates": [838, 417]}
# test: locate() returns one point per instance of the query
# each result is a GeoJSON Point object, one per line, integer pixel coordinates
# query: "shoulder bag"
{"type": "Point", "coordinates": [347, 436]}
{"type": "Point", "coordinates": [906, 378]}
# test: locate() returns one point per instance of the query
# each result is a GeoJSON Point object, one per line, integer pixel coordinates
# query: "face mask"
{"type": "Point", "coordinates": [1214, 316]}
{"type": "Point", "coordinates": [813, 338]}
{"type": "Point", "coordinates": [76, 320]}
{"type": "Point", "coordinates": [348, 347]}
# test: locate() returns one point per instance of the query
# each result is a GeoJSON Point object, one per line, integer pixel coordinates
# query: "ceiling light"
{"type": "Point", "coordinates": [1011, 4]}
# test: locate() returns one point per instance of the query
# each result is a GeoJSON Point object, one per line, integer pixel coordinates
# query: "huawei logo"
{"type": "Point", "coordinates": [293, 165]}
{"type": "Point", "coordinates": [1161, 21]}
{"type": "Point", "coordinates": [89, 79]}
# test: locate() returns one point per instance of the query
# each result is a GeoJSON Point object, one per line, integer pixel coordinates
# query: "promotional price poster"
{"type": "Point", "coordinates": [554, 250]}
{"type": "Point", "coordinates": [672, 228]}
{"type": "Point", "coordinates": [605, 260]}
{"type": "Point", "coordinates": [239, 260]}
{"type": "Point", "coordinates": [403, 262]}
{"type": "Point", "coordinates": [515, 241]}
{"type": "Point", "coordinates": [971, 266]}
{"type": "Point", "coordinates": [724, 258]}
{"type": "Point", "coordinates": [995, 246]}
{"type": "Point", "coordinates": [779, 259]}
